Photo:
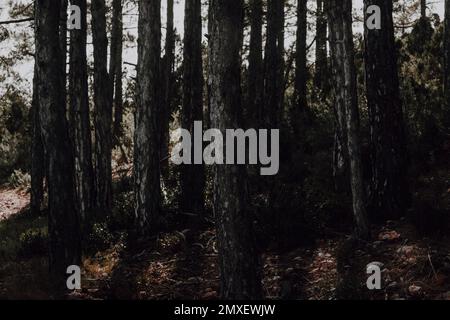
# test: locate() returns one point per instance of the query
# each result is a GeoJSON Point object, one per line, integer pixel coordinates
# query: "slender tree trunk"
{"type": "Point", "coordinates": [346, 100]}
{"type": "Point", "coordinates": [147, 118]}
{"type": "Point", "coordinates": [63, 224]}
{"type": "Point", "coordinates": [423, 9]}
{"type": "Point", "coordinates": [102, 110]}
{"type": "Point", "coordinates": [192, 176]}
{"type": "Point", "coordinates": [274, 63]}
{"type": "Point", "coordinates": [168, 63]}
{"type": "Point", "coordinates": [37, 153]}
{"type": "Point", "coordinates": [301, 72]}
{"type": "Point", "coordinates": [79, 115]}
{"type": "Point", "coordinates": [115, 68]}
{"type": "Point", "coordinates": [387, 134]}
{"type": "Point", "coordinates": [447, 58]}
{"type": "Point", "coordinates": [255, 92]}
{"type": "Point", "coordinates": [238, 260]}
{"type": "Point", "coordinates": [63, 47]}
{"type": "Point", "coordinates": [321, 71]}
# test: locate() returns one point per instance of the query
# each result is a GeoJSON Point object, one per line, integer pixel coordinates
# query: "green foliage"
{"type": "Point", "coordinates": [14, 133]}
{"type": "Point", "coordinates": [19, 179]}
{"type": "Point", "coordinates": [100, 237]}
{"type": "Point", "coordinates": [22, 236]}
{"type": "Point", "coordinates": [33, 242]}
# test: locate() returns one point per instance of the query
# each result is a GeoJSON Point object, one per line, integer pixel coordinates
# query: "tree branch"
{"type": "Point", "coordinates": [16, 21]}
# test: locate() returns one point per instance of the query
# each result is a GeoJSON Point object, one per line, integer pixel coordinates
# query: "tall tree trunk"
{"type": "Point", "coordinates": [115, 68]}
{"type": "Point", "coordinates": [63, 223]}
{"type": "Point", "coordinates": [37, 153]}
{"type": "Point", "coordinates": [346, 101]}
{"type": "Point", "coordinates": [447, 58]}
{"type": "Point", "coordinates": [79, 115]}
{"type": "Point", "coordinates": [168, 63]}
{"type": "Point", "coordinates": [192, 176]}
{"type": "Point", "coordinates": [238, 260]}
{"type": "Point", "coordinates": [255, 92]}
{"type": "Point", "coordinates": [387, 134]}
{"type": "Point", "coordinates": [321, 71]}
{"type": "Point", "coordinates": [147, 118]}
{"type": "Point", "coordinates": [423, 9]}
{"type": "Point", "coordinates": [63, 46]}
{"type": "Point", "coordinates": [301, 72]}
{"type": "Point", "coordinates": [102, 110]}
{"type": "Point", "coordinates": [274, 63]}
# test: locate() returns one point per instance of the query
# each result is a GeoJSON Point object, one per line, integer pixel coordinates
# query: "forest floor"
{"type": "Point", "coordinates": [184, 264]}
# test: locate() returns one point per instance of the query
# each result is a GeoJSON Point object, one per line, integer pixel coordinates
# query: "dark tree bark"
{"type": "Point", "coordinates": [79, 115]}
{"type": "Point", "coordinates": [447, 57]}
{"type": "Point", "coordinates": [387, 133]}
{"type": "Point", "coordinates": [63, 46]}
{"type": "Point", "coordinates": [238, 259]}
{"type": "Point", "coordinates": [255, 91]}
{"type": "Point", "coordinates": [346, 101]}
{"type": "Point", "coordinates": [301, 72]}
{"type": "Point", "coordinates": [115, 68]}
{"type": "Point", "coordinates": [63, 224]}
{"type": "Point", "coordinates": [169, 79]}
{"type": "Point", "coordinates": [147, 118]}
{"type": "Point", "coordinates": [192, 176]}
{"type": "Point", "coordinates": [274, 63]}
{"type": "Point", "coordinates": [102, 110]}
{"type": "Point", "coordinates": [37, 153]}
{"type": "Point", "coordinates": [321, 70]}
{"type": "Point", "coordinates": [423, 9]}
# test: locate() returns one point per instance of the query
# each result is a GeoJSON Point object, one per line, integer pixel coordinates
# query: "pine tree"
{"type": "Point", "coordinates": [63, 219]}
{"type": "Point", "coordinates": [192, 176]}
{"type": "Point", "coordinates": [147, 118]}
{"type": "Point", "coordinates": [387, 140]}
{"type": "Point", "coordinates": [238, 259]}
{"type": "Point", "coordinates": [346, 101]}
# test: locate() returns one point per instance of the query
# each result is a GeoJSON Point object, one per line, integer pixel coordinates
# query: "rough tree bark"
{"type": "Point", "coordinates": [115, 68]}
{"type": "Point", "coordinates": [102, 111]}
{"type": "Point", "coordinates": [147, 118]}
{"type": "Point", "coordinates": [238, 259]}
{"type": "Point", "coordinates": [274, 63]}
{"type": "Point", "coordinates": [168, 65]}
{"type": "Point", "coordinates": [388, 192]}
{"type": "Point", "coordinates": [63, 220]}
{"type": "Point", "coordinates": [37, 153]}
{"type": "Point", "coordinates": [192, 176]}
{"type": "Point", "coordinates": [447, 57]}
{"type": "Point", "coordinates": [346, 101]}
{"type": "Point", "coordinates": [63, 47]}
{"type": "Point", "coordinates": [321, 70]}
{"type": "Point", "coordinates": [301, 71]}
{"type": "Point", "coordinates": [79, 115]}
{"type": "Point", "coordinates": [255, 81]}
{"type": "Point", "coordinates": [423, 9]}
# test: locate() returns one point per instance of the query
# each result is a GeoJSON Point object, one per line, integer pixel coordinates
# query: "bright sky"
{"type": "Point", "coordinates": [130, 21]}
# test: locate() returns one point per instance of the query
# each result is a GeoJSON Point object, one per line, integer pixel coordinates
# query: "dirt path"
{"type": "Point", "coordinates": [12, 201]}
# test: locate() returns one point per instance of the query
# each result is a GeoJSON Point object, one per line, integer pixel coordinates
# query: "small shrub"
{"type": "Point", "coordinates": [18, 179]}
{"type": "Point", "coordinates": [33, 242]}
